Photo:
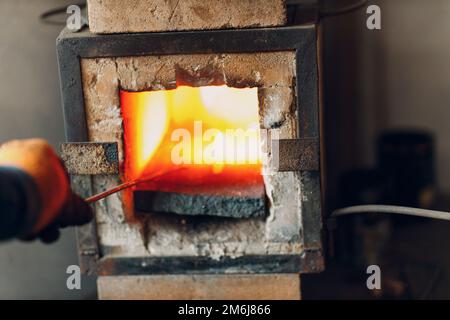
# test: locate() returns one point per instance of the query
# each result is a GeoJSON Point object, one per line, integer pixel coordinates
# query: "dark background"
{"type": "Point", "coordinates": [394, 78]}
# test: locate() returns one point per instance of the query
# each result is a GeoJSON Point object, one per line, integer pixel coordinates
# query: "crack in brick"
{"type": "Point", "coordinates": [173, 11]}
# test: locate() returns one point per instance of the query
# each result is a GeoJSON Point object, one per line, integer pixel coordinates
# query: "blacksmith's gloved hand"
{"type": "Point", "coordinates": [35, 195]}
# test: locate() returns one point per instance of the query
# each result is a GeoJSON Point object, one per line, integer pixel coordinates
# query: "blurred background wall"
{"type": "Point", "coordinates": [30, 107]}
{"type": "Point", "coordinates": [416, 54]}
{"type": "Point", "coordinates": [397, 77]}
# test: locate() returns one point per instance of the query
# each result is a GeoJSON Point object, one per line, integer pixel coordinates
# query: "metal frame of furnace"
{"type": "Point", "coordinates": [72, 47]}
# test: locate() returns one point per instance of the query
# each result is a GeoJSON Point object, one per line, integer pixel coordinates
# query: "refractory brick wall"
{"type": "Point", "coordinates": [122, 16]}
{"type": "Point", "coordinates": [194, 287]}
{"type": "Point", "coordinates": [123, 232]}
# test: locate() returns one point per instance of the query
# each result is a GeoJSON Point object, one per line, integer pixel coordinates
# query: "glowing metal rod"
{"type": "Point", "coordinates": [127, 185]}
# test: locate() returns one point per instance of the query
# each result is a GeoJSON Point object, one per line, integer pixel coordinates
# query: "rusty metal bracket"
{"type": "Point", "coordinates": [298, 154]}
{"type": "Point", "coordinates": [90, 158]}
{"type": "Point", "coordinates": [311, 261]}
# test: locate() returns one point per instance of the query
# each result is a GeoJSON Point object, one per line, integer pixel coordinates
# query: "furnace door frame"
{"type": "Point", "coordinates": [72, 47]}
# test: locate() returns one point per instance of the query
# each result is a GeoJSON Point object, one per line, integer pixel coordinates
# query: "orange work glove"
{"type": "Point", "coordinates": [59, 206]}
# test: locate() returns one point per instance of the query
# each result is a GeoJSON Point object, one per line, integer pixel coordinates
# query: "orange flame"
{"type": "Point", "coordinates": [213, 131]}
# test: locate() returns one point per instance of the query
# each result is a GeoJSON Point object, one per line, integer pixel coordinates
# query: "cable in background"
{"type": "Point", "coordinates": [47, 16]}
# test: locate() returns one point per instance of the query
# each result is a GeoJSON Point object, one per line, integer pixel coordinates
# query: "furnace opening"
{"type": "Point", "coordinates": [205, 140]}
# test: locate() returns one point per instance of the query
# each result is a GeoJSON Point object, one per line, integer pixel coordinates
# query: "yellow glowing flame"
{"type": "Point", "coordinates": [151, 108]}
{"type": "Point", "coordinates": [222, 123]}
